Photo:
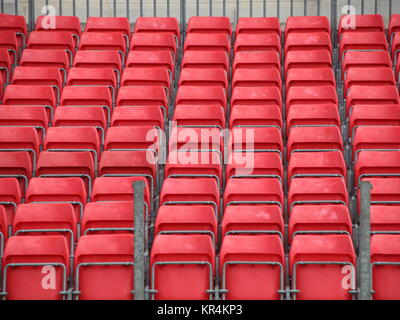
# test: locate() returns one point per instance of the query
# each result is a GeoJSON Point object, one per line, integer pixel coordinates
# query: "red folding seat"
{"type": "Point", "coordinates": [375, 139]}
{"type": "Point", "coordinates": [250, 191]}
{"type": "Point", "coordinates": [46, 58]}
{"type": "Point", "coordinates": [49, 41]}
{"type": "Point", "coordinates": [189, 191]}
{"type": "Point", "coordinates": [70, 24]}
{"type": "Point", "coordinates": [255, 60]}
{"type": "Point", "coordinates": [157, 25]}
{"type": "Point", "coordinates": [308, 41]}
{"type": "Point", "coordinates": [202, 95]}
{"type": "Point", "coordinates": [16, 164]}
{"type": "Point", "coordinates": [9, 41]}
{"type": "Point", "coordinates": [261, 164]}
{"type": "Point", "coordinates": [260, 77]}
{"type": "Point", "coordinates": [132, 138]}
{"type": "Point", "coordinates": [250, 219]}
{"type": "Point", "coordinates": [323, 219]}
{"type": "Point", "coordinates": [317, 267]}
{"type": "Point", "coordinates": [119, 189]}
{"type": "Point", "coordinates": [312, 60]}
{"type": "Point", "coordinates": [138, 116]}
{"type": "Point", "coordinates": [317, 191]}
{"type": "Point", "coordinates": [27, 259]}
{"type": "Point", "coordinates": [5, 67]}
{"type": "Point", "coordinates": [258, 42]}
{"type": "Point", "coordinates": [46, 219]}
{"type": "Point", "coordinates": [316, 164]}
{"type": "Point", "coordinates": [205, 60]}
{"type": "Point", "coordinates": [371, 95]}
{"type": "Point", "coordinates": [252, 268]}
{"type": "Point", "coordinates": [209, 25]}
{"type": "Point", "coordinates": [17, 24]}
{"type": "Point", "coordinates": [109, 24]}
{"type": "Point", "coordinates": [385, 219]}
{"type": "Point", "coordinates": [108, 217]}
{"type": "Point", "coordinates": [10, 198]}
{"type": "Point", "coordinates": [3, 230]}
{"type": "Point", "coordinates": [267, 96]}
{"type": "Point", "coordinates": [67, 164]}
{"type": "Point", "coordinates": [207, 42]}
{"type": "Point", "coordinates": [154, 42]}
{"type": "Point", "coordinates": [88, 96]}
{"type": "Point", "coordinates": [92, 77]}
{"type": "Point", "coordinates": [395, 48]}
{"type": "Point", "coordinates": [303, 77]}
{"type": "Point", "coordinates": [151, 59]}
{"type": "Point", "coordinates": [186, 220]}
{"type": "Point", "coordinates": [375, 77]}
{"type": "Point", "coordinates": [177, 260]}
{"type": "Point", "coordinates": [161, 77]}
{"type": "Point", "coordinates": [311, 95]}
{"type": "Point", "coordinates": [365, 41]}
{"type": "Point", "coordinates": [324, 138]}
{"type": "Point", "coordinates": [362, 23]}
{"type": "Point", "coordinates": [99, 59]}
{"type": "Point", "coordinates": [129, 163]}
{"type": "Point", "coordinates": [206, 77]}
{"type": "Point", "coordinates": [255, 115]}
{"type": "Point", "coordinates": [60, 190]}
{"type": "Point", "coordinates": [312, 115]}
{"type": "Point", "coordinates": [104, 267]}
{"type": "Point", "coordinates": [307, 25]}
{"type": "Point", "coordinates": [376, 164]}
{"type": "Point", "coordinates": [385, 251]}
{"type": "Point", "coordinates": [21, 139]}
{"type": "Point", "coordinates": [255, 25]}
{"type": "Point", "coordinates": [385, 192]}
{"type": "Point", "coordinates": [394, 25]}
{"type": "Point", "coordinates": [365, 115]}
{"type": "Point", "coordinates": [202, 116]}
{"type": "Point", "coordinates": [365, 60]}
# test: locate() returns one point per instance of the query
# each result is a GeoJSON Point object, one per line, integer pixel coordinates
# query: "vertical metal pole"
{"type": "Point", "coordinates": [278, 8]}
{"type": "Point", "coordinates": [60, 8]}
{"type": "Point", "coordinates": [390, 7]}
{"type": "Point", "coordinates": [264, 8]}
{"type": "Point", "coordinates": [376, 6]}
{"type": "Point", "coordinates": [31, 14]}
{"type": "Point", "coordinates": [2, 6]}
{"type": "Point", "coordinates": [197, 8]}
{"type": "Point", "coordinates": [141, 8]}
{"type": "Point", "coordinates": [210, 7]}
{"type": "Point", "coordinates": [237, 10]}
{"type": "Point", "coordinates": [155, 8]}
{"type": "Point", "coordinates": [183, 20]}
{"type": "Point", "coordinates": [305, 8]}
{"type": "Point", "coordinates": [365, 242]}
{"type": "Point", "coordinates": [168, 9]}
{"type": "Point", "coordinates": [319, 8]}
{"type": "Point", "coordinates": [251, 8]}
{"type": "Point", "coordinates": [115, 8]}
{"type": "Point", "coordinates": [291, 7]}
{"type": "Point", "coordinates": [101, 8]}
{"type": "Point", "coordinates": [224, 8]}
{"type": "Point", "coordinates": [139, 245]}
{"type": "Point", "coordinates": [362, 7]}
{"type": "Point", "coordinates": [16, 7]}
{"type": "Point", "coordinates": [74, 7]}
{"type": "Point", "coordinates": [128, 14]}
{"type": "Point", "coordinates": [87, 10]}
{"type": "Point", "coordinates": [334, 22]}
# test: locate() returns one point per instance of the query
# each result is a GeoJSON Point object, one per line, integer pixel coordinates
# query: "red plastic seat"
{"type": "Point", "coordinates": [371, 95]}
{"type": "Point", "coordinates": [258, 42]}
{"type": "Point", "coordinates": [307, 25]}
{"type": "Point", "coordinates": [146, 77]}
{"type": "Point", "coordinates": [104, 267]}
{"type": "Point", "coordinates": [37, 76]}
{"type": "Point", "coordinates": [17, 24]}
{"type": "Point", "coordinates": [205, 59]}
{"type": "Point", "coordinates": [244, 280]}
{"type": "Point", "coordinates": [195, 115]}
{"type": "Point", "coordinates": [321, 138]}
{"type": "Point", "coordinates": [259, 191]}
{"type": "Point", "coordinates": [109, 41]}
{"type": "Point", "coordinates": [308, 41]}
{"type": "Point", "coordinates": [99, 59]}
{"type": "Point", "coordinates": [366, 60]}
{"type": "Point", "coordinates": [201, 95]}
{"type": "Point", "coordinates": [259, 77]}
{"type": "Point", "coordinates": [196, 254]}
{"type": "Point", "coordinates": [207, 77]}
{"type": "Point", "coordinates": [385, 218]}
{"type": "Point", "coordinates": [9, 41]}
{"type": "Point", "coordinates": [303, 77]}
{"type": "Point", "coordinates": [255, 25]}
{"type": "Point", "coordinates": [385, 251]}
{"type": "Point", "coordinates": [109, 24]}
{"type": "Point", "coordinates": [267, 96]}
{"type": "Point", "coordinates": [108, 217]}
{"type": "Point", "coordinates": [365, 115]}
{"type": "Point", "coordinates": [209, 25]}
{"type": "Point", "coordinates": [368, 77]}
{"type": "Point", "coordinates": [16, 164]}
{"type": "Point", "coordinates": [29, 95]}
{"type": "Point", "coordinates": [10, 197]}
{"type": "Point", "coordinates": [151, 59]}
{"type": "Point", "coordinates": [311, 96]}
{"type": "Point", "coordinates": [157, 25]}
{"type": "Point", "coordinates": [154, 42]}
{"type": "Point", "coordinates": [92, 77]}
{"type": "Point", "coordinates": [207, 42]}
{"type": "Point", "coordinates": [5, 67]}
{"type": "Point", "coordinates": [132, 138]}
{"type": "Point", "coordinates": [138, 116]}
{"type": "Point", "coordinates": [366, 41]}
{"type": "Point", "coordinates": [312, 115]}
{"type": "Point", "coordinates": [306, 164]}
{"type": "Point", "coordinates": [70, 24]}
{"type": "Point", "coordinates": [321, 219]}
{"type": "Point", "coordinates": [314, 59]}
{"type": "Point", "coordinates": [255, 60]}
{"type": "Point", "coordinates": [190, 219]}
{"type": "Point", "coordinates": [317, 191]}
{"type": "Point", "coordinates": [243, 115]}
{"type": "Point", "coordinates": [362, 23]}
{"type": "Point", "coordinates": [317, 261]}
{"type": "Point", "coordinates": [25, 281]}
